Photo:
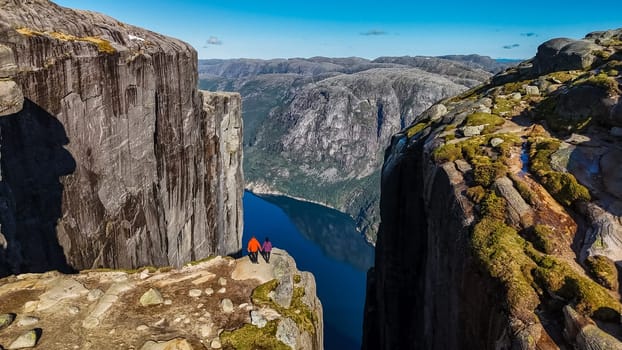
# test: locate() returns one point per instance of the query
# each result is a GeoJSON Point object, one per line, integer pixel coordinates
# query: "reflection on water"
{"type": "Point", "coordinates": [334, 232]}
{"type": "Point", "coordinates": [326, 243]}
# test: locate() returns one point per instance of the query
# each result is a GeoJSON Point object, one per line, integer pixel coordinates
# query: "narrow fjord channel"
{"type": "Point", "coordinates": [326, 243]}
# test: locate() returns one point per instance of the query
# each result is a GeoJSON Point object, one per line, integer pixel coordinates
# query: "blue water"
{"type": "Point", "coordinates": [326, 243]}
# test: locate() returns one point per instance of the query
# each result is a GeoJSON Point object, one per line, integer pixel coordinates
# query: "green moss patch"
{"type": "Point", "coordinates": [493, 206]}
{"type": "Point", "coordinates": [603, 270]}
{"type": "Point", "coordinates": [476, 194]}
{"type": "Point", "coordinates": [413, 130]}
{"type": "Point", "coordinates": [500, 250]}
{"type": "Point", "coordinates": [480, 118]}
{"type": "Point", "coordinates": [601, 80]}
{"type": "Point", "coordinates": [543, 237]}
{"type": "Point", "coordinates": [587, 296]}
{"type": "Point", "coordinates": [252, 337]}
{"type": "Point", "coordinates": [564, 187]}
{"type": "Point", "coordinates": [486, 171]}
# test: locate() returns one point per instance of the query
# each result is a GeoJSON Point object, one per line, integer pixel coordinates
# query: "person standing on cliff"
{"type": "Point", "coordinates": [266, 249]}
{"type": "Point", "coordinates": [252, 248]}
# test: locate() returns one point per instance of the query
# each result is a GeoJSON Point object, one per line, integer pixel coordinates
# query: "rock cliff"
{"type": "Point", "coordinates": [316, 128]}
{"type": "Point", "coordinates": [211, 304]}
{"type": "Point", "coordinates": [111, 156]}
{"type": "Point", "coordinates": [501, 215]}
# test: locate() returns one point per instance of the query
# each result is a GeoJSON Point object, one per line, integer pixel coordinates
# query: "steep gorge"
{"type": "Point", "coordinates": [111, 157]}
{"type": "Point", "coordinates": [500, 215]}
{"type": "Point", "coordinates": [316, 128]}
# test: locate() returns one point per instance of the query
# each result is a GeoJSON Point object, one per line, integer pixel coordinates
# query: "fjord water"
{"type": "Point", "coordinates": [326, 243]}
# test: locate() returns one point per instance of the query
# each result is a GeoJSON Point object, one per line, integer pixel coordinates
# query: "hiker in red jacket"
{"type": "Point", "coordinates": [252, 248]}
{"type": "Point", "coordinates": [266, 249]}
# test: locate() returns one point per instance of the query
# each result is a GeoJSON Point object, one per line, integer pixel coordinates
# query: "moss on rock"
{"type": "Point", "coordinates": [603, 270]}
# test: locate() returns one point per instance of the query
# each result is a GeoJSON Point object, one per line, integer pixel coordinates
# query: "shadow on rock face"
{"type": "Point", "coordinates": [33, 161]}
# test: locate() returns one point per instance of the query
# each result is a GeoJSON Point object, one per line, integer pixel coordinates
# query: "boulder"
{"type": "Point", "coordinates": [283, 293]}
{"type": "Point", "coordinates": [151, 297]}
{"type": "Point", "coordinates": [519, 212]}
{"type": "Point", "coordinates": [287, 331]}
{"type": "Point", "coordinates": [26, 340]}
{"type": "Point", "coordinates": [6, 320]}
{"type": "Point", "coordinates": [616, 130]}
{"type": "Point", "coordinates": [434, 113]}
{"type": "Point", "coordinates": [565, 54]}
{"type": "Point", "coordinates": [226, 305]}
{"type": "Point", "coordinates": [585, 101]}
{"type": "Point", "coordinates": [469, 131]}
{"type": "Point", "coordinates": [532, 90]}
{"type": "Point", "coordinates": [496, 141]}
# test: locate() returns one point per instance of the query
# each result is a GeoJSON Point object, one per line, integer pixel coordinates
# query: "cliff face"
{"type": "Point", "coordinates": [500, 215]}
{"type": "Point", "coordinates": [115, 158]}
{"type": "Point", "coordinates": [213, 304]}
{"type": "Point", "coordinates": [316, 128]}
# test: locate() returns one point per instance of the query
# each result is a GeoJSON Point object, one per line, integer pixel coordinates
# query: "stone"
{"type": "Point", "coordinates": [469, 131]}
{"type": "Point", "coordinates": [611, 172]}
{"type": "Point", "coordinates": [532, 90]}
{"type": "Point", "coordinates": [73, 310]}
{"type": "Point", "coordinates": [222, 290]}
{"type": "Point", "coordinates": [151, 297]}
{"type": "Point", "coordinates": [144, 274]}
{"type": "Point", "coordinates": [215, 344]}
{"type": "Point", "coordinates": [94, 294]}
{"type": "Point", "coordinates": [226, 305]}
{"type": "Point", "coordinates": [283, 292]}
{"type": "Point", "coordinates": [168, 302]}
{"type": "Point", "coordinates": [27, 321]}
{"type": "Point", "coordinates": [435, 113]}
{"type": "Point", "coordinates": [258, 319]}
{"type": "Point", "coordinates": [519, 212]}
{"type": "Point", "coordinates": [287, 331]}
{"type": "Point", "coordinates": [222, 281]}
{"type": "Point", "coordinates": [209, 291]}
{"type": "Point", "coordinates": [142, 328]}
{"type": "Point", "coordinates": [8, 68]}
{"type": "Point", "coordinates": [160, 322]}
{"type": "Point", "coordinates": [6, 320]}
{"type": "Point", "coordinates": [496, 141]}
{"type": "Point", "coordinates": [26, 340]}
{"type": "Point", "coordinates": [174, 344]}
{"type": "Point", "coordinates": [195, 293]}
{"type": "Point", "coordinates": [516, 96]}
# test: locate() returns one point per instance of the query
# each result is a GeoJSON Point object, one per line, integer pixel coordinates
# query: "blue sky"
{"type": "Point", "coordinates": [365, 28]}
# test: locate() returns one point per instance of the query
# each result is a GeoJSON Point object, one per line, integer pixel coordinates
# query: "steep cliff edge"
{"type": "Point", "coordinates": [111, 157]}
{"type": "Point", "coordinates": [501, 212]}
{"type": "Point", "coordinates": [211, 304]}
{"type": "Point", "coordinates": [316, 128]}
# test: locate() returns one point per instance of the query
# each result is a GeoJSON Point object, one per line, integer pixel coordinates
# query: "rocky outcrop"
{"type": "Point", "coordinates": [484, 237]}
{"type": "Point", "coordinates": [115, 158]}
{"type": "Point", "coordinates": [105, 309]}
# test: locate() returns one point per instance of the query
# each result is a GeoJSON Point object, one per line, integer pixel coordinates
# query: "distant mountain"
{"type": "Point", "coordinates": [316, 128]}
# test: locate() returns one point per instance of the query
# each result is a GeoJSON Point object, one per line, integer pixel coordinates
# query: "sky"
{"type": "Point", "coordinates": [365, 28]}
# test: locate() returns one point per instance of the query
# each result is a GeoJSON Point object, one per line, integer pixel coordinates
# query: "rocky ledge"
{"type": "Point", "coordinates": [501, 211]}
{"type": "Point", "coordinates": [211, 304]}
